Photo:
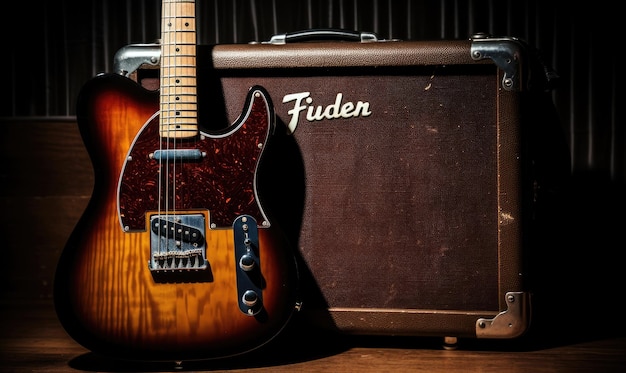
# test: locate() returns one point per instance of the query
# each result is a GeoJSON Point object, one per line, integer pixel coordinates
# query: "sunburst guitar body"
{"type": "Point", "coordinates": [174, 257]}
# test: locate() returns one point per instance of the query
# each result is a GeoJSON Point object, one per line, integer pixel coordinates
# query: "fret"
{"type": "Point", "coordinates": [178, 92]}
{"type": "Point", "coordinates": [182, 77]}
{"type": "Point", "coordinates": [178, 106]}
{"type": "Point", "coordinates": [174, 80]}
{"type": "Point", "coordinates": [175, 124]}
{"type": "Point", "coordinates": [189, 5]}
{"type": "Point", "coordinates": [168, 36]}
{"type": "Point", "coordinates": [182, 130]}
{"type": "Point", "coordinates": [181, 49]}
{"type": "Point", "coordinates": [177, 118]}
{"type": "Point", "coordinates": [184, 60]}
{"type": "Point", "coordinates": [178, 133]}
{"type": "Point", "coordinates": [171, 88]}
{"type": "Point", "coordinates": [178, 112]}
{"type": "Point", "coordinates": [180, 74]}
{"type": "Point", "coordinates": [180, 62]}
{"type": "Point", "coordinates": [177, 1]}
{"type": "Point", "coordinates": [181, 120]}
{"type": "Point", "coordinates": [168, 88]}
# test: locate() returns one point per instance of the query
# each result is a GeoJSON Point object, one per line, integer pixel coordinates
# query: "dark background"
{"type": "Point", "coordinates": [55, 46]}
{"type": "Point", "coordinates": [51, 48]}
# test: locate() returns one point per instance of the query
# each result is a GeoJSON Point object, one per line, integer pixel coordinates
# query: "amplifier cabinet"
{"type": "Point", "coordinates": [403, 173]}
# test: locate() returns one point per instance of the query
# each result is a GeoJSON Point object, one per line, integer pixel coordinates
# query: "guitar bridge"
{"type": "Point", "coordinates": [177, 243]}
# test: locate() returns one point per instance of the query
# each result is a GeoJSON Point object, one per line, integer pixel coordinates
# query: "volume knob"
{"type": "Point", "coordinates": [247, 262]}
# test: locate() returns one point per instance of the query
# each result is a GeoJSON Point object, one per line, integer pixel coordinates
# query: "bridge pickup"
{"type": "Point", "coordinates": [174, 230]}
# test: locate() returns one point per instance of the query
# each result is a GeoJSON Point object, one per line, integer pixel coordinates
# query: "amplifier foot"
{"type": "Point", "coordinates": [450, 343]}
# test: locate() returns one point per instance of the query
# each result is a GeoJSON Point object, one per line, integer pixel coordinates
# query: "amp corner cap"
{"type": "Point", "coordinates": [131, 57]}
{"type": "Point", "coordinates": [507, 53]}
{"type": "Point", "coordinates": [511, 323]}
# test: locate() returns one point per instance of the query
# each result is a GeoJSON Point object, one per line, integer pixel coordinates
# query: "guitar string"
{"type": "Point", "coordinates": [164, 131]}
{"type": "Point", "coordinates": [177, 115]}
{"type": "Point", "coordinates": [173, 112]}
{"type": "Point", "coordinates": [182, 109]}
{"type": "Point", "coordinates": [175, 33]}
{"type": "Point", "coordinates": [172, 140]}
{"type": "Point", "coordinates": [162, 122]}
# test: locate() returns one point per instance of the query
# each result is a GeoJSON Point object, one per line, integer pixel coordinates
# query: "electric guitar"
{"type": "Point", "coordinates": [174, 257]}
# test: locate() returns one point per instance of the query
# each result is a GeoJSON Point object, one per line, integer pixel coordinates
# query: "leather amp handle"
{"type": "Point", "coordinates": [323, 35]}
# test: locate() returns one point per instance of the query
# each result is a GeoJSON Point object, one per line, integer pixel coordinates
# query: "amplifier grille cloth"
{"type": "Point", "coordinates": [401, 206]}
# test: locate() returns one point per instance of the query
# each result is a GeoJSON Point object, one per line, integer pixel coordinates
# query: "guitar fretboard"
{"type": "Point", "coordinates": [178, 115]}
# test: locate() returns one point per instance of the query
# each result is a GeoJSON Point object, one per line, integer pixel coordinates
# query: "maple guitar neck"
{"type": "Point", "coordinates": [178, 98]}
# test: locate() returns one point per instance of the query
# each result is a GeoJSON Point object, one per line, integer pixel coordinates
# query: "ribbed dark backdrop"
{"type": "Point", "coordinates": [54, 46]}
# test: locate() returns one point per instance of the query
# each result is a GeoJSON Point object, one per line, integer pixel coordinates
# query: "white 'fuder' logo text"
{"type": "Point", "coordinates": [304, 102]}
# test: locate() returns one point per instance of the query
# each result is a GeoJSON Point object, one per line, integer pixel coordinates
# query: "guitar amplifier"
{"type": "Point", "coordinates": [406, 174]}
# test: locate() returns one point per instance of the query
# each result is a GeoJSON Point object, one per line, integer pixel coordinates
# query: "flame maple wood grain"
{"type": "Point", "coordinates": [106, 296]}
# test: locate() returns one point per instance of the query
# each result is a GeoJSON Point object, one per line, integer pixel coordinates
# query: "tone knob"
{"type": "Point", "coordinates": [250, 298]}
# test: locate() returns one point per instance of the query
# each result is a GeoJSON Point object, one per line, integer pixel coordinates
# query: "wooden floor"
{"type": "Point", "coordinates": [581, 287]}
{"type": "Point", "coordinates": [32, 340]}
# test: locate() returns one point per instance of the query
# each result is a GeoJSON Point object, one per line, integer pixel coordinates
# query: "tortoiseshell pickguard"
{"type": "Point", "coordinates": [222, 181]}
